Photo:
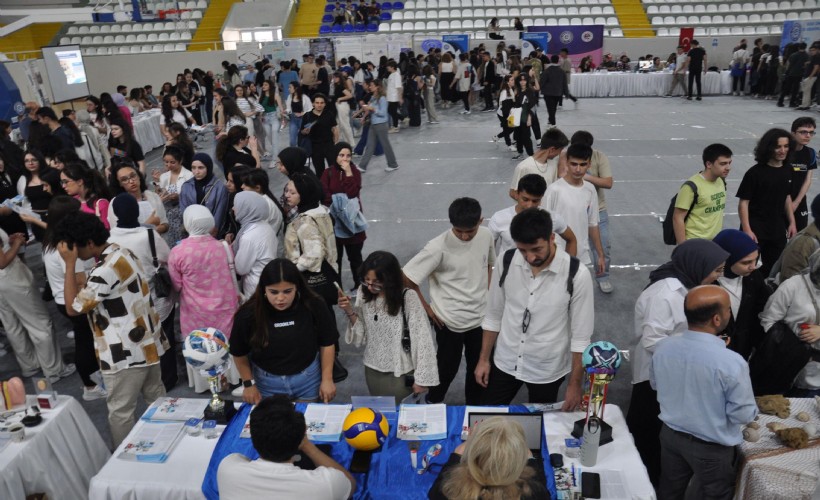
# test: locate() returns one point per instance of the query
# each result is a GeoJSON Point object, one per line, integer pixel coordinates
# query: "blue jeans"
{"type": "Point", "coordinates": [303, 386]}
{"type": "Point", "coordinates": [603, 228]}
{"type": "Point", "coordinates": [295, 125]}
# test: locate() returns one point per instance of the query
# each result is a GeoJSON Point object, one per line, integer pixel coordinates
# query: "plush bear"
{"type": "Point", "coordinates": [793, 437]}
{"type": "Point", "coordinates": [775, 404]}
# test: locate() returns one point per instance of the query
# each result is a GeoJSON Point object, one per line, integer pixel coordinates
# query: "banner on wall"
{"type": "Point", "coordinates": [324, 47]}
{"type": "Point", "coordinates": [685, 38]}
{"type": "Point", "coordinates": [295, 48]}
{"type": "Point", "coordinates": [534, 41]}
{"type": "Point", "coordinates": [398, 43]}
{"type": "Point", "coordinates": [580, 41]}
{"type": "Point", "coordinates": [247, 53]}
{"type": "Point", "coordinates": [373, 48]}
{"type": "Point", "coordinates": [347, 46]}
{"type": "Point", "coordinates": [455, 43]}
{"type": "Point", "coordinates": [799, 31]}
{"type": "Point", "coordinates": [274, 52]}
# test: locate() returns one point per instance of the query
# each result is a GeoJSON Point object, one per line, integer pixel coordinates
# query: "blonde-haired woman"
{"type": "Point", "coordinates": [494, 463]}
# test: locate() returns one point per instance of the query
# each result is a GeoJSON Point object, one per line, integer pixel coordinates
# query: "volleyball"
{"type": "Point", "coordinates": [601, 356]}
{"type": "Point", "coordinates": [206, 349]}
{"type": "Point", "coordinates": [365, 429]}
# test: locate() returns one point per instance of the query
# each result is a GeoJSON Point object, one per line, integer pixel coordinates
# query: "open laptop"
{"type": "Point", "coordinates": [532, 423]}
{"type": "Point", "coordinates": [644, 66]}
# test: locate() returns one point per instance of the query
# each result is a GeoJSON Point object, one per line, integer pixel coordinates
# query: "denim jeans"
{"type": "Point", "coordinates": [271, 123]}
{"type": "Point", "coordinates": [303, 386]}
{"type": "Point", "coordinates": [295, 125]}
{"type": "Point", "coordinates": [603, 228]}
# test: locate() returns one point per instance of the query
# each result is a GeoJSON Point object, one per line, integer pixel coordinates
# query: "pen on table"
{"type": "Point", "coordinates": [573, 474]}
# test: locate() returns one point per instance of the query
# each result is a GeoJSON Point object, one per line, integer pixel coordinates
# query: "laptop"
{"type": "Point", "coordinates": [532, 423]}
{"type": "Point", "coordinates": [644, 65]}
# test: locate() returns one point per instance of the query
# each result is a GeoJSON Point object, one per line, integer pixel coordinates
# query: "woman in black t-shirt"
{"type": "Point", "coordinates": [237, 148]}
{"type": "Point", "coordinates": [282, 339]}
{"type": "Point", "coordinates": [122, 144]}
{"type": "Point", "coordinates": [320, 126]}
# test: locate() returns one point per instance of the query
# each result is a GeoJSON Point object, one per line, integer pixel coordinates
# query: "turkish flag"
{"type": "Point", "coordinates": [685, 39]}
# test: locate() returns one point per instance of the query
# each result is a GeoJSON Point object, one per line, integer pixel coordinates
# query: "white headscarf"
{"type": "Point", "coordinates": [198, 220]}
{"type": "Point", "coordinates": [250, 208]}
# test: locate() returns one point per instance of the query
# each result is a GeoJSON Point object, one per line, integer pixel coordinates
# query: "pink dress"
{"type": "Point", "coordinates": [199, 269]}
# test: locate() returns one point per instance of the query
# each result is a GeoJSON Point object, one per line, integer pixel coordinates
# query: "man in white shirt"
{"type": "Point", "coordinates": [538, 321]}
{"type": "Point", "coordinates": [679, 74]}
{"type": "Point", "coordinates": [544, 162]}
{"type": "Point", "coordinates": [531, 189]}
{"type": "Point", "coordinates": [459, 264]}
{"type": "Point", "coordinates": [394, 96]}
{"type": "Point", "coordinates": [576, 200]}
{"type": "Point", "coordinates": [278, 432]}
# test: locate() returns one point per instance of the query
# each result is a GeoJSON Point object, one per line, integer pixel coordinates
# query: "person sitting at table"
{"type": "Point", "coordinates": [493, 463]}
{"type": "Point", "coordinates": [278, 433]}
{"type": "Point", "coordinates": [608, 63]}
{"type": "Point", "coordinates": [283, 338]}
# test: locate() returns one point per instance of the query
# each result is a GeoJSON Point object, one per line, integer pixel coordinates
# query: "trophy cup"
{"type": "Point", "coordinates": [601, 361]}
{"type": "Point", "coordinates": [206, 350]}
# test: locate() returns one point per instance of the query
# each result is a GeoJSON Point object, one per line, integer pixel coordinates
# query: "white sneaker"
{"type": "Point", "coordinates": [495, 138]}
{"type": "Point", "coordinates": [70, 334]}
{"type": "Point", "coordinates": [433, 122]}
{"type": "Point", "coordinates": [391, 169]}
{"type": "Point", "coordinates": [512, 148]}
{"type": "Point", "coordinates": [96, 393]}
{"type": "Point", "coordinates": [67, 371]}
{"type": "Point", "coordinates": [605, 286]}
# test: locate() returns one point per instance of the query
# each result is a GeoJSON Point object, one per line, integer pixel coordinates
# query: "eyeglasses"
{"type": "Point", "coordinates": [66, 182]}
{"type": "Point", "coordinates": [374, 286]}
{"type": "Point", "coordinates": [526, 321]}
{"type": "Point", "coordinates": [806, 132]}
{"type": "Point", "coordinates": [132, 177]}
{"type": "Point", "coordinates": [32, 160]}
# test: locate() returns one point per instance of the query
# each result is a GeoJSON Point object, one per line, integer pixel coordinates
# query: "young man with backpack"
{"type": "Point", "coordinates": [701, 201]}
{"type": "Point", "coordinates": [539, 319]}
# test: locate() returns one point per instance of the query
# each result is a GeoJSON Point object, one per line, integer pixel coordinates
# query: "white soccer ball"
{"type": "Point", "coordinates": [206, 349]}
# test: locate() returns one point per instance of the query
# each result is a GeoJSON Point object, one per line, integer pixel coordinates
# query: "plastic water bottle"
{"type": "Point", "coordinates": [591, 441]}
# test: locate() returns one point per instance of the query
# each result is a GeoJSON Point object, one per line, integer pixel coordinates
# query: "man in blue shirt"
{"type": "Point", "coordinates": [705, 396]}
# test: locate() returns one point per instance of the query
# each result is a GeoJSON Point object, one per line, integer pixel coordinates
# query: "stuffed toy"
{"type": "Point", "coordinates": [775, 404]}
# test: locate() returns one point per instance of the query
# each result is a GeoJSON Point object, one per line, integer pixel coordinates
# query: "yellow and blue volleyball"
{"type": "Point", "coordinates": [365, 429]}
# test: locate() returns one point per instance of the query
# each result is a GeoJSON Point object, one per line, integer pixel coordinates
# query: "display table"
{"type": "Point", "coordinates": [617, 84]}
{"type": "Point", "coordinates": [146, 130]}
{"type": "Point", "coordinates": [772, 471]}
{"type": "Point", "coordinates": [58, 457]}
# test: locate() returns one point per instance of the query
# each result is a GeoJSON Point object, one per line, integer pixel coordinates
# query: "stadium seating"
{"type": "Point", "coordinates": [723, 18]}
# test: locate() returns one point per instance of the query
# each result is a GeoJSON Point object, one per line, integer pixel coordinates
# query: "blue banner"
{"type": "Point", "coordinates": [455, 43]}
{"type": "Point", "coordinates": [534, 41]}
{"type": "Point", "coordinates": [580, 41]}
{"type": "Point", "coordinates": [799, 31]}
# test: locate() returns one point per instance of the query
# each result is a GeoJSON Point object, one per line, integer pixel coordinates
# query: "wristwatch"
{"type": "Point", "coordinates": [248, 383]}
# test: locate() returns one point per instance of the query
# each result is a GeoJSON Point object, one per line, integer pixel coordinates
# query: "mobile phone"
{"type": "Point", "coordinates": [336, 284]}
{"type": "Point", "coordinates": [590, 485]}
{"type": "Point", "coordinates": [360, 464]}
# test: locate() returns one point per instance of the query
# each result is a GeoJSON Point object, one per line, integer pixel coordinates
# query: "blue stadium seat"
{"type": "Point", "coordinates": [348, 28]}
{"type": "Point", "coordinates": [329, 8]}
{"type": "Point", "coordinates": [361, 28]}
{"type": "Point", "coordinates": [387, 6]}
{"type": "Point", "coordinates": [373, 28]}
{"type": "Point", "coordinates": [336, 29]}
{"type": "Point", "coordinates": [386, 16]}
{"type": "Point", "coordinates": [324, 30]}
{"type": "Point", "coordinates": [398, 6]}
{"type": "Point", "coordinates": [327, 18]}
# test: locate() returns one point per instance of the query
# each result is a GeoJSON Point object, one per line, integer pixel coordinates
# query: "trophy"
{"type": "Point", "coordinates": [601, 361]}
{"type": "Point", "coordinates": [206, 350]}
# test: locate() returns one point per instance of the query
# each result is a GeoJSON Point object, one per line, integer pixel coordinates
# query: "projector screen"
{"type": "Point", "coordinates": [66, 72]}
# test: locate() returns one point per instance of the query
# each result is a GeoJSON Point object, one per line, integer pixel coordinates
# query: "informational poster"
{"type": "Point", "coordinates": [349, 46]}
{"type": "Point", "coordinates": [324, 47]}
{"type": "Point", "coordinates": [455, 43]}
{"type": "Point", "coordinates": [295, 48]}
{"type": "Point", "coordinates": [534, 41]}
{"type": "Point", "coordinates": [373, 48]}
{"type": "Point", "coordinates": [799, 31]}
{"type": "Point", "coordinates": [274, 52]}
{"type": "Point", "coordinates": [247, 53]}
{"type": "Point", "coordinates": [580, 41]}
{"type": "Point", "coordinates": [398, 43]}
{"type": "Point", "coordinates": [71, 62]}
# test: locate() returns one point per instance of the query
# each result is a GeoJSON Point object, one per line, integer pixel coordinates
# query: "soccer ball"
{"type": "Point", "coordinates": [601, 357]}
{"type": "Point", "coordinates": [206, 349]}
{"type": "Point", "coordinates": [365, 429]}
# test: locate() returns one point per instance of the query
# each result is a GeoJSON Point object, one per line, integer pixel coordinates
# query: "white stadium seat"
{"type": "Point", "coordinates": [97, 40]}
{"type": "Point", "coordinates": [73, 30]}
{"type": "Point", "coordinates": [83, 30]}
{"type": "Point", "coordinates": [65, 41]}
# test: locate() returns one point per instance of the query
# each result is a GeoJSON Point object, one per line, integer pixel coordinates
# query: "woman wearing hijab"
{"type": "Point", "coordinates": [747, 290]}
{"type": "Point", "coordinates": [129, 234]}
{"type": "Point", "coordinates": [233, 184]}
{"type": "Point", "coordinates": [255, 243]}
{"type": "Point", "coordinates": [659, 314]}
{"type": "Point", "coordinates": [797, 303]}
{"type": "Point", "coordinates": [201, 270]}
{"type": "Point", "coordinates": [204, 189]}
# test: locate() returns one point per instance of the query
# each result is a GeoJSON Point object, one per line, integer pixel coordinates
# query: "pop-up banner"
{"type": "Point", "coordinates": [580, 41]}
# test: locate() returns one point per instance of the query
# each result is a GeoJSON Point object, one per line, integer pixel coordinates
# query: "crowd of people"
{"type": "Point", "coordinates": [123, 247]}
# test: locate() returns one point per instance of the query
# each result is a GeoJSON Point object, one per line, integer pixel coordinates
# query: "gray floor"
{"type": "Point", "coordinates": [653, 144]}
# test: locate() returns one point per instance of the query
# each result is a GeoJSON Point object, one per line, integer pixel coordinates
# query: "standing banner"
{"type": "Point", "coordinates": [799, 31]}
{"type": "Point", "coordinates": [580, 41]}
{"type": "Point", "coordinates": [685, 38]}
{"type": "Point", "coordinates": [534, 41]}
{"type": "Point", "coordinates": [455, 43]}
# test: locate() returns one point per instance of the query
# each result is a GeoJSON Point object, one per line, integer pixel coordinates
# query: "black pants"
{"type": "Point", "coordinates": [503, 387]}
{"type": "Point", "coordinates": [168, 361]}
{"type": "Point", "coordinates": [197, 114]}
{"type": "Point", "coordinates": [645, 426]}
{"type": "Point", "coordinates": [321, 152]}
{"type": "Point", "coordinates": [505, 130]}
{"type": "Point", "coordinates": [790, 87]}
{"type": "Point", "coordinates": [85, 356]}
{"type": "Point", "coordinates": [448, 357]}
{"type": "Point", "coordinates": [739, 81]}
{"type": "Point", "coordinates": [393, 111]}
{"type": "Point", "coordinates": [523, 141]}
{"type": "Point", "coordinates": [536, 125]}
{"type": "Point", "coordinates": [770, 250]}
{"type": "Point", "coordinates": [694, 75]}
{"type": "Point", "coordinates": [683, 456]}
{"type": "Point", "coordinates": [488, 96]}
{"type": "Point", "coordinates": [801, 215]}
{"type": "Point", "coordinates": [354, 256]}
{"type": "Point", "coordinates": [552, 106]}
{"type": "Point", "coordinates": [465, 98]}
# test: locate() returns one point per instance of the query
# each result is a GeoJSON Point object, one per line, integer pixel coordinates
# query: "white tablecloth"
{"type": "Point", "coordinates": [619, 455]}
{"type": "Point", "coordinates": [146, 130]}
{"type": "Point", "coordinates": [58, 457]}
{"type": "Point", "coordinates": [179, 478]}
{"type": "Point", "coordinates": [640, 84]}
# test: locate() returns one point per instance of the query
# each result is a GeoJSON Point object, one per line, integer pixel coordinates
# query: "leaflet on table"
{"type": "Point", "coordinates": [465, 427]}
{"type": "Point", "coordinates": [543, 407]}
{"type": "Point", "coordinates": [324, 422]}
{"type": "Point", "coordinates": [152, 442]}
{"type": "Point", "coordinates": [175, 409]}
{"type": "Point", "coordinates": [424, 422]}
{"type": "Point", "coordinates": [246, 429]}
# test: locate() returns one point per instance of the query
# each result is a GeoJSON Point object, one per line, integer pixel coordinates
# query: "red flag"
{"type": "Point", "coordinates": [685, 39]}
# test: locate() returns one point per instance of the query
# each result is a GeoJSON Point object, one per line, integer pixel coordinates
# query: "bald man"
{"type": "Point", "coordinates": [705, 396]}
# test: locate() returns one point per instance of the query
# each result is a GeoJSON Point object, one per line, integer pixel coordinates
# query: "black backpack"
{"type": "Point", "coordinates": [668, 226]}
{"type": "Point", "coordinates": [574, 264]}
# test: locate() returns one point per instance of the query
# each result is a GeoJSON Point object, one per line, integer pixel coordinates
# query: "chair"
{"type": "Point", "coordinates": [131, 38]}
{"type": "Point", "coordinates": [145, 49]}
{"type": "Point", "coordinates": [754, 18]}
{"type": "Point", "coordinates": [152, 37]}
{"type": "Point", "coordinates": [677, 9]}
{"type": "Point", "coordinates": [83, 30]}
{"type": "Point", "coordinates": [105, 28]}
{"type": "Point", "coordinates": [711, 8]}
{"type": "Point", "coordinates": [94, 29]}
{"type": "Point", "coordinates": [432, 14]}
{"type": "Point", "coordinates": [386, 16]}
{"type": "Point", "coordinates": [516, 12]}
{"type": "Point", "coordinates": [730, 19]}
{"type": "Point", "coordinates": [467, 24]}
{"type": "Point", "coordinates": [735, 7]}
{"type": "Point", "coordinates": [479, 23]}
{"type": "Point", "coordinates": [164, 37]}
{"type": "Point", "coordinates": [411, 4]}
{"type": "Point", "coordinates": [539, 21]}
{"type": "Point", "coordinates": [779, 17]}
{"type": "Point", "coordinates": [761, 30]}
{"type": "Point", "coordinates": [616, 33]}
{"type": "Point", "coordinates": [549, 11]}
{"type": "Point", "coordinates": [86, 40]}
{"type": "Point", "coordinates": [409, 15]}
{"type": "Point", "coordinates": [347, 28]}
{"type": "Point", "coordinates": [551, 22]}
{"type": "Point", "coordinates": [674, 31]}
{"type": "Point", "coordinates": [90, 51]}
{"type": "Point", "coordinates": [504, 23]}
{"type": "Point", "coordinates": [180, 47]}
{"type": "Point", "coordinates": [186, 35]}
{"type": "Point", "coordinates": [611, 21]}
{"type": "Point", "coordinates": [609, 11]}
{"type": "Point", "coordinates": [816, 15]}
{"type": "Point", "coordinates": [175, 36]}
{"type": "Point", "coordinates": [792, 16]}
{"type": "Point", "coordinates": [108, 40]}
{"type": "Point", "coordinates": [398, 16]}
{"type": "Point", "coordinates": [742, 19]}
{"type": "Point", "coordinates": [537, 12]}
{"type": "Point", "coordinates": [748, 30]}
{"type": "Point", "coordinates": [723, 8]}
{"type": "Point", "coordinates": [432, 4]}
{"type": "Point", "coordinates": [395, 26]}
{"type": "Point", "coordinates": [421, 4]}
{"type": "Point", "coordinates": [705, 20]}
{"type": "Point", "coordinates": [776, 29]}
{"type": "Point", "coordinates": [97, 40]}
{"type": "Point", "coordinates": [664, 9]}
{"type": "Point", "coordinates": [571, 11]}
{"type": "Point", "coordinates": [455, 14]}
{"type": "Point", "coordinates": [587, 21]}
{"type": "Point", "coordinates": [596, 11]}
{"type": "Point", "coordinates": [444, 25]}
{"type": "Point", "coordinates": [361, 28]}
{"type": "Point", "coordinates": [456, 24]}
{"type": "Point", "coordinates": [126, 28]}
{"type": "Point", "coordinates": [383, 28]}
{"type": "Point", "coordinates": [701, 32]}
{"type": "Point", "coordinates": [202, 5]}
{"type": "Point", "coordinates": [73, 30]}
{"type": "Point", "coordinates": [656, 21]}
{"type": "Point", "coordinates": [432, 25]}
{"type": "Point", "coordinates": [186, 14]}
{"type": "Point", "coordinates": [692, 20]}
{"type": "Point", "coordinates": [652, 9]}
{"type": "Point", "coordinates": [575, 21]}
{"type": "Point", "coordinates": [559, 11]}
{"type": "Point", "coordinates": [136, 28]}
{"type": "Point", "coordinates": [602, 20]}
{"type": "Point", "coordinates": [688, 9]}
{"type": "Point", "coordinates": [810, 4]}
{"type": "Point", "coordinates": [737, 30]}
{"type": "Point", "coordinates": [662, 32]}
{"type": "Point", "coordinates": [420, 14]}
{"type": "Point", "coordinates": [168, 47]}
{"type": "Point", "coordinates": [585, 11]}
{"type": "Point", "coordinates": [119, 39]}
{"type": "Point", "coordinates": [718, 19]}
{"type": "Point", "coordinates": [65, 41]}
{"type": "Point", "coordinates": [724, 31]}
{"type": "Point", "coordinates": [333, 29]}
{"type": "Point", "coordinates": [479, 13]}
{"type": "Point", "coordinates": [805, 15]}
{"type": "Point", "coordinates": [767, 18]}
{"type": "Point", "coordinates": [407, 26]}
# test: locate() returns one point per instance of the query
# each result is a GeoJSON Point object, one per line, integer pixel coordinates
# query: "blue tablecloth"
{"type": "Point", "coordinates": [390, 470]}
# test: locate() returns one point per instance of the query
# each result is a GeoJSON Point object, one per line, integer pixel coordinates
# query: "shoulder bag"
{"type": "Point", "coordinates": [232, 266]}
{"type": "Point", "coordinates": [161, 280]}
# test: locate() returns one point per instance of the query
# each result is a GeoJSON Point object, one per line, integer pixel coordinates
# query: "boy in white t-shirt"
{"type": "Point", "coordinates": [577, 201]}
{"type": "Point", "coordinates": [544, 162]}
{"type": "Point", "coordinates": [278, 432]}
{"type": "Point", "coordinates": [531, 189]}
{"type": "Point", "coordinates": [394, 95]}
{"type": "Point", "coordinates": [458, 263]}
